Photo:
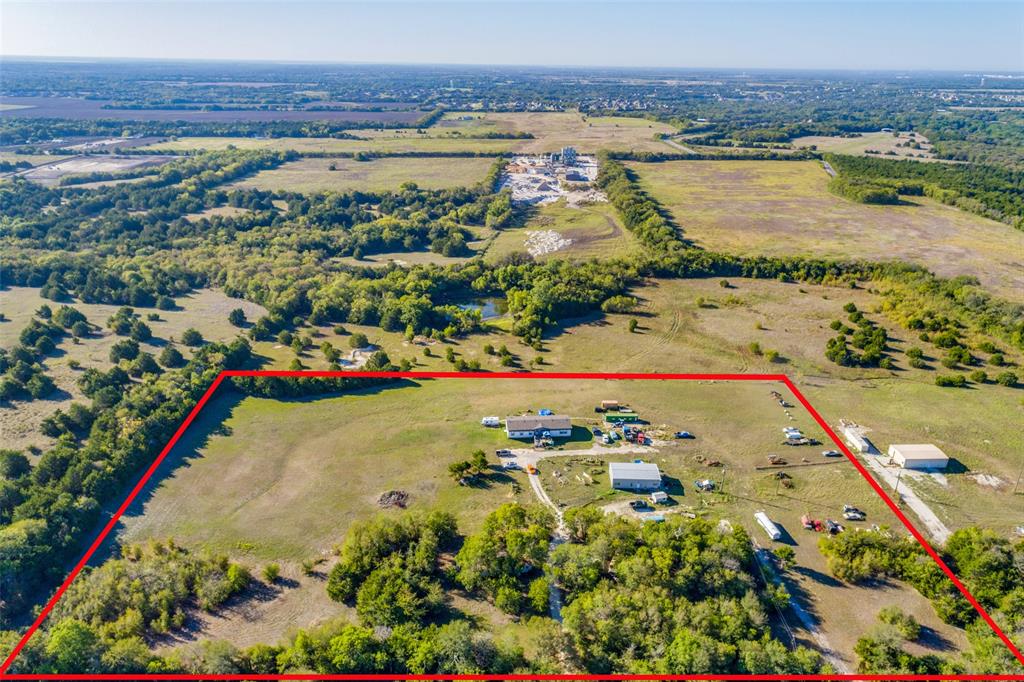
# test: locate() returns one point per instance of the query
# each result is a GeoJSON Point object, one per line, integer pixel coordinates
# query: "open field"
{"type": "Point", "coordinates": [551, 131]}
{"type": "Point", "coordinates": [51, 173]}
{"type": "Point", "coordinates": [86, 109]}
{"type": "Point", "coordinates": [554, 130]}
{"type": "Point", "coordinates": [676, 334]}
{"type": "Point", "coordinates": [784, 208]}
{"type": "Point", "coordinates": [34, 159]}
{"type": "Point", "coordinates": [206, 310]}
{"type": "Point", "coordinates": [396, 142]}
{"type": "Point", "coordinates": [880, 142]}
{"type": "Point", "coordinates": [594, 230]}
{"type": "Point", "coordinates": [377, 175]}
{"type": "Point", "coordinates": [252, 471]}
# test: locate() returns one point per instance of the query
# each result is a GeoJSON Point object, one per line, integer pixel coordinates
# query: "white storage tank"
{"type": "Point", "coordinates": [769, 527]}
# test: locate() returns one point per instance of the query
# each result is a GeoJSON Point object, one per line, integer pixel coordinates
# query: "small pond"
{"type": "Point", "coordinates": [490, 307]}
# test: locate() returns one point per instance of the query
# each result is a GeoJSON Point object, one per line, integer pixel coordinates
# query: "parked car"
{"type": "Point", "coordinates": [606, 440]}
{"type": "Point", "coordinates": [530, 469]}
{"type": "Point", "coordinates": [684, 434]}
{"type": "Point", "coordinates": [596, 431]}
{"type": "Point", "coordinates": [637, 505]}
{"type": "Point", "coordinates": [831, 453]}
{"type": "Point", "coordinates": [510, 465]}
{"type": "Point", "coordinates": [600, 410]}
{"type": "Point", "coordinates": [503, 453]}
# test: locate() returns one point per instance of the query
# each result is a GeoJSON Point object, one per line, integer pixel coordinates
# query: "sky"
{"type": "Point", "coordinates": [822, 34]}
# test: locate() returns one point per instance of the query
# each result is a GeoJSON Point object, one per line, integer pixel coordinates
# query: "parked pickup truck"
{"type": "Point", "coordinates": [503, 453]}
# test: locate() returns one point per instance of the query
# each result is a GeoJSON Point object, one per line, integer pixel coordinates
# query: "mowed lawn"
{"type": "Point", "coordinates": [784, 208]}
{"type": "Point", "coordinates": [376, 175]}
{"type": "Point", "coordinates": [206, 310]}
{"type": "Point", "coordinates": [595, 231]}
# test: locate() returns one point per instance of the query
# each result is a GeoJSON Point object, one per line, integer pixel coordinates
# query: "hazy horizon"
{"type": "Point", "coordinates": [826, 35]}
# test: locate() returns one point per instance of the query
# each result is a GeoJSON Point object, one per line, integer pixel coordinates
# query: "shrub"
{"type": "Point", "coordinates": [271, 572]}
{"type": "Point", "coordinates": [237, 317]}
{"type": "Point", "coordinates": [1007, 379]}
{"type": "Point", "coordinates": [358, 340]}
{"type": "Point", "coordinates": [192, 337]}
{"type": "Point", "coordinates": [905, 623]}
{"type": "Point", "coordinates": [950, 380]}
{"type": "Point", "coordinates": [979, 376]}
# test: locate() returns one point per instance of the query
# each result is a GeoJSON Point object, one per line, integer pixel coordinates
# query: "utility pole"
{"type": "Point", "coordinates": [896, 489]}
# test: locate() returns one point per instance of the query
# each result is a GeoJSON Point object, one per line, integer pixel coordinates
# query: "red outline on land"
{"type": "Point", "coordinates": [496, 375]}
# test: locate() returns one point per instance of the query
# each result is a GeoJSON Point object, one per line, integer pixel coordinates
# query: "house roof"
{"type": "Point", "coordinates": [552, 422]}
{"type": "Point", "coordinates": [635, 470]}
{"type": "Point", "coordinates": [914, 451]}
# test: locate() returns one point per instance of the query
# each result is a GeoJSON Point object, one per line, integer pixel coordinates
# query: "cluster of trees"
{"type": "Point", "coordinates": [989, 565]}
{"type": "Point", "coordinates": [22, 376]}
{"type": "Point", "coordinates": [675, 597]}
{"type": "Point", "coordinates": [871, 339]}
{"type": "Point", "coordinates": [863, 190]}
{"type": "Point", "coordinates": [640, 213]}
{"type": "Point", "coordinates": [101, 624]}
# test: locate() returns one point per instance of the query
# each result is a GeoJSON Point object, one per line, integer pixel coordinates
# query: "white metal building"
{"type": "Point", "coordinates": [556, 426]}
{"type": "Point", "coordinates": [634, 475]}
{"type": "Point", "coordinates": [918, 456]}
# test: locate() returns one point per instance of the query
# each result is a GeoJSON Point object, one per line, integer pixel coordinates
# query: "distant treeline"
{"type": "Point", "coordinates": [761, 155]}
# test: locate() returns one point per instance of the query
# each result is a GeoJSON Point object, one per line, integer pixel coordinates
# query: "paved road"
{"type": "Point", "coordinates": [676, 145]}
{"type": "Point", "coordinates": [935, 527]}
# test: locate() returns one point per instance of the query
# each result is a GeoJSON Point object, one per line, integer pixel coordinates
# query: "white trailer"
{"type": "Point", "coordinates": [490, 421]}
{"type": "Point", "coordinates": [769, 527]}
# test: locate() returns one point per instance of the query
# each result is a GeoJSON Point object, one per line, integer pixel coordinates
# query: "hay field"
{"type": "Point", "coordinates": [595, 231]}
{"type": "Point", "coordinates": [784, 208]}
{"type": "Point", "coordinates": [206, 310]}
{"type": "Point", "coordinates": [376, 175]}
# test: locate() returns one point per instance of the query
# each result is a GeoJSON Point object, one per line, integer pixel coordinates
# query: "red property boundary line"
{"type": "Point", "coordinates": [205, 398]}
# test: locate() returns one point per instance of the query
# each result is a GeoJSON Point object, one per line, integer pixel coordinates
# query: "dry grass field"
{"type": "Point", "coordinates": [387, 141]}
{"type": "Point", "coordinates": [377, 175]}
{"type": "Point", "coordinates": [453, 133]}
{"type": "Point", "coordinates": [594, 230]}
{"type": "Point", "coordinates": [880, 142]}
{"type": "Point", "coordinates": [206, 310]}
{"type": "Point", "coordinates": [784, 208]}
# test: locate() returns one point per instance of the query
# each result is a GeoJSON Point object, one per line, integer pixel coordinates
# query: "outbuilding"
{"type": "Point", "coordinates": [659, 497]}
{"type": "Point", "coordinates": [634, 476]}
{"type": "Point", "coordinates": [553, 425]}
{"type": "Point", "coordinates": [918, 456]}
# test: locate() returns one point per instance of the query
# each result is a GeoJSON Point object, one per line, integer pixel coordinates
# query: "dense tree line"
{"type": "Point", "coordinates": [993, 192]}
{"type": "Point", "coordinates": [51, 509]}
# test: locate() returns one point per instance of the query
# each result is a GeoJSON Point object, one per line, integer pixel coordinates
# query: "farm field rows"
{"type": "Point", "coordinates": [375, 175]}
{"type": "Point", "coordinates": [784, 208]}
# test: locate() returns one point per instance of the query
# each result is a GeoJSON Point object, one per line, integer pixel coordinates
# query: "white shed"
{"type": "Point", "coordinates": [918, 456]}
{"type": "Point", "coordinates": [634, 476]}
